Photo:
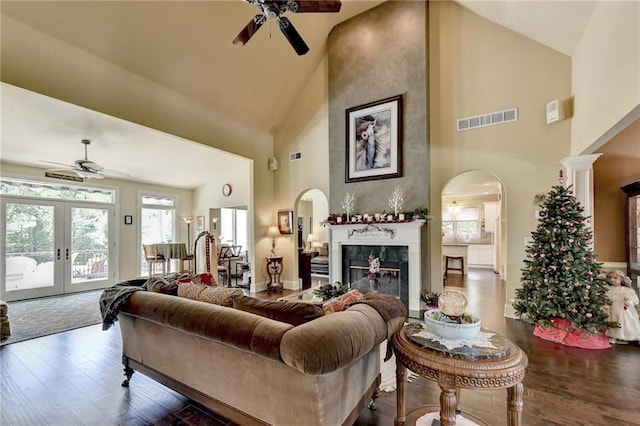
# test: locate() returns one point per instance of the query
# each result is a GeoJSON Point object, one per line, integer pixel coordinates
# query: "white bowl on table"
{"type": "Point", "coordinates": [452, 331]}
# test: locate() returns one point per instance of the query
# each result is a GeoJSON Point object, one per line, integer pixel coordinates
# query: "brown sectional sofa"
{"type": "Point", "coordinates": [255, 370]}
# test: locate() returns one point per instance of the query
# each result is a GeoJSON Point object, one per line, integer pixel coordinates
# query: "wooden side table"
{"type": "Point", "coordinates": [274, 269]}
{"type": "Point", "coordinates": [501, 366]}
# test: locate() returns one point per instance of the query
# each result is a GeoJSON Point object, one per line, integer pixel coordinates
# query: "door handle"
{"type": "Point", "coordinates": [67, 254]}
{"type": "Point", "coordinates": [58, 254]}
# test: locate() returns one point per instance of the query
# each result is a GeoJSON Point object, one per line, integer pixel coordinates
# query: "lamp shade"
{"type": "Point", "coordinates": [273, 232]}
{"type": "Point", "coordinates": [187, 219]}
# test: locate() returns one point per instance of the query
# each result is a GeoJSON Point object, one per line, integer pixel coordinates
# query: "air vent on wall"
{"type": "Point", "coordinates": [490, 119]}
{"type": "Point", "coordinates": [295, 156]}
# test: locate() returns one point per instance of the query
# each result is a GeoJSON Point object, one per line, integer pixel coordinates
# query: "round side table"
{"type": "Point", "coordinates": [499, 365]}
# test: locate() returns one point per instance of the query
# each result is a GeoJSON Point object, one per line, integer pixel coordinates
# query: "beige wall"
{"type": "Point", "coordinates": [49, 66]}
{"type": "Point", "coordinates": [305, 129]}
{"type": "Point", "coordinates": [606, 72]}
{"type": "Point", "coordinates": [479, 67]}
{"type": "Point", "coordinates": [619, 165]}
{"type": "Point", "coordinates": [127, 243]}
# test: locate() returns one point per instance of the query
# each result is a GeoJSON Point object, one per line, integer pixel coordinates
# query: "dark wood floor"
{"type": "Point", "coordinates": [73, 378]}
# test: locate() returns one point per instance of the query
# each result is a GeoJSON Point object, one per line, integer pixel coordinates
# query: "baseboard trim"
{"type": "Point", "coordinates": [509, 311]}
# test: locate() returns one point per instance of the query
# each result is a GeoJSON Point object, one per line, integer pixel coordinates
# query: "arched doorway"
{"type": "Point", "coordinates": [312, 209]}
{"type": "Point", "coordinates": [473, 223]}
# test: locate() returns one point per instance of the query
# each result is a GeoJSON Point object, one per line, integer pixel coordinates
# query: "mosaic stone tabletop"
{"type": "Point", "coordinates": [486, 346]}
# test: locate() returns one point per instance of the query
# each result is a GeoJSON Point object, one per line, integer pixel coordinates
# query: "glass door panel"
{"type": "Point", "coordinates": [88, 253]}
{"type": "Point", "coordinates": [55, 247]}
{"type": "Point", "coordinates": [32, 260]}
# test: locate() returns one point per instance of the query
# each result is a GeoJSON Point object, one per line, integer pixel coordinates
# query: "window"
{"type": "Point", "coordinates": [46, 190]}
{"type": "Point", "coordinates": [461, 223]}
{"type": "Point", "coordinates": [233, 227]}
{"type": "Point", "coordinates": [157, 222]}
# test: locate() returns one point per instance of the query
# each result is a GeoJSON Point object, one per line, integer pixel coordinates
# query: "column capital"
{"type": "Point", "coordinates": [579, 162]}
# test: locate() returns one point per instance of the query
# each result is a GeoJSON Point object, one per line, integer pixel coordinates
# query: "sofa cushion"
{"type": "Point", "coordinates": [342, 302]}
{"type": "Point", "coordinates": [217, 295]}
{"type": "Point", "coordinates": [294, 313]}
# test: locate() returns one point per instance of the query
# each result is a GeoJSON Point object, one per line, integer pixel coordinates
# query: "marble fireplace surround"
{"type": "Point", "coordinates": [406, 234]}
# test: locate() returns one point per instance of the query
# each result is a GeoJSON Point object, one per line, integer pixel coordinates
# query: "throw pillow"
{"type": "Point", "coordinates": [342, 302]}
{"type": "Point", "coordinates": [294, 313]}
{"type": "Point", "coordinates": [204, 279]}
{"type": "Point", "coordinates": [217, 295]}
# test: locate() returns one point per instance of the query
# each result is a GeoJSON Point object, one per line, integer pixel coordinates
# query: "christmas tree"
{"type": "Point", "coordinates": [561, 278]}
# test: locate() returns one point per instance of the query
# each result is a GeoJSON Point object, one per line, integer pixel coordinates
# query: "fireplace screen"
{"type": "Point", "coordinates": [392, 276]}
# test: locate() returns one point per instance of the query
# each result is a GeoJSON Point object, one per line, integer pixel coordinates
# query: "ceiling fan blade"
{"type": "Point", "coordinates": [308, 6]}
{"type": "Point", "coordinates": [249, 30]}
{"type": "Point", "coordinates": [293, 36]}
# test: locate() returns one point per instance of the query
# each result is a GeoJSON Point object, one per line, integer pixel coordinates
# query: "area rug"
{"type": "Point", "coordinates": [48, 315]}
{"type": "Point", "coordinates": [388, 371]}
{"type": "Point", "coordinates": [433, 419]}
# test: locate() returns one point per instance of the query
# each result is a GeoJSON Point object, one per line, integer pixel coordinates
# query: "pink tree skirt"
{"type": "Point", "coordinates": [577, 338]}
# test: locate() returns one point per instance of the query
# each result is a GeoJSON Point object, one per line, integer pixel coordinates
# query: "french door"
{"type": "Point", "coordinates": [55, 247]}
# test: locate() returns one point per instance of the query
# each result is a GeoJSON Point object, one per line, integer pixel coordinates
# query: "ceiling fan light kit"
{"type": "Point", "coordinates": [273, 9]}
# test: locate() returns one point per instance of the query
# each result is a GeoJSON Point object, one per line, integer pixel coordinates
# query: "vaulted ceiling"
{"type": "Point", "coordinates": [186, 47]}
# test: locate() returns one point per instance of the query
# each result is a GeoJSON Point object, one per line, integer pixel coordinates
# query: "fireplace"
{"type": "Point", "coordinates": [398, 247]}
{"type": "Point", "coordinates": [392, 277]}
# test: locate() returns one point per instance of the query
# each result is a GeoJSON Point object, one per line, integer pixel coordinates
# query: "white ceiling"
{"type": "Point", "coordinates": [186, 47]}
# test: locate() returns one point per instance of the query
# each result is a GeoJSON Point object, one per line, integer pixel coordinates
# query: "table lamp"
{"type": "Point", "coordinates": [188, 220]}
{"type": "Point", "coordinates": [310, 239]}
{"type": "Point", "coordinates": [273, 233]}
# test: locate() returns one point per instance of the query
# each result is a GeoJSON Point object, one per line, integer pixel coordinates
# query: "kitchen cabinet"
{"type": "Point", "coordinates": [480, 255]}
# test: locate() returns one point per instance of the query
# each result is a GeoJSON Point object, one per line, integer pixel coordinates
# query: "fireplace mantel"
{"type": "Point", "coordinates": [381, 234]}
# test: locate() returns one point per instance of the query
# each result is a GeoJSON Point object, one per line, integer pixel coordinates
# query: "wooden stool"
{"type": "Point", "coordinates": [447, 259]}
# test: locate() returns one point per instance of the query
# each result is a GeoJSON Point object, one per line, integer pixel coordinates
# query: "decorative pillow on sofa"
{"type": "Point", "coordinates": [294, 313]}
{"type": "Point", "coordinates": [217, 295]}
{"type": "Point", "coordinates": [342, 302]}
{"type": "Point", "coordinates": [204, 279]}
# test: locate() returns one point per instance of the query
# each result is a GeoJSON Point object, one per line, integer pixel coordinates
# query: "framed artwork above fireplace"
{"type": "Point", "coordinates": [374, 140]}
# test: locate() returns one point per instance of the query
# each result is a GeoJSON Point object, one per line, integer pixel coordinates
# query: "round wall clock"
{"type": "Point", "coordinates": [226, 189]}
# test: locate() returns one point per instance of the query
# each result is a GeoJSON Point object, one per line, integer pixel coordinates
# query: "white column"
{"type": "Point", "coordinates": [580, 175]}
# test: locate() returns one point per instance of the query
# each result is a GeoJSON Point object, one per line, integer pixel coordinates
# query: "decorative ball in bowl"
{"type": "Point", "coordinates": [464, 327]}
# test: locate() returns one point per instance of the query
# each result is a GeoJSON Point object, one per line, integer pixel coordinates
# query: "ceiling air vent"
{"type": "Point", "coordinates": [295, 156]}
{"type": "Point", "coordinates": [490, 119]}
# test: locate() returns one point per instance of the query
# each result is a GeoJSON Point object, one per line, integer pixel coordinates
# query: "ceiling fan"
{"type": "Point", "coordinates": [86, 168]}
{"type": "Point", "coordinates": [275, 9]}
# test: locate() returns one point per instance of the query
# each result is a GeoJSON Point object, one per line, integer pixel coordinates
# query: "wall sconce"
{"type": "Point", "coordinates": [188, 220]}
{"type": "Point", "coordinates": [273, 233]}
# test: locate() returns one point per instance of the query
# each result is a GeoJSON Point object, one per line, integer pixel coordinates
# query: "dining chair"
{"type": "Point", "coordinates": [154, 258]}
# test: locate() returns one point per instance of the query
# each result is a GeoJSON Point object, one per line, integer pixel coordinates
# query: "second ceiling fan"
{"type": "Point", "coordinates": [274, 9]}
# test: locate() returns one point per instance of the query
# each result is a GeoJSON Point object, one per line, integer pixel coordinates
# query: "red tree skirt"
{"type": "Point", "coordinates": [577, 338]}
